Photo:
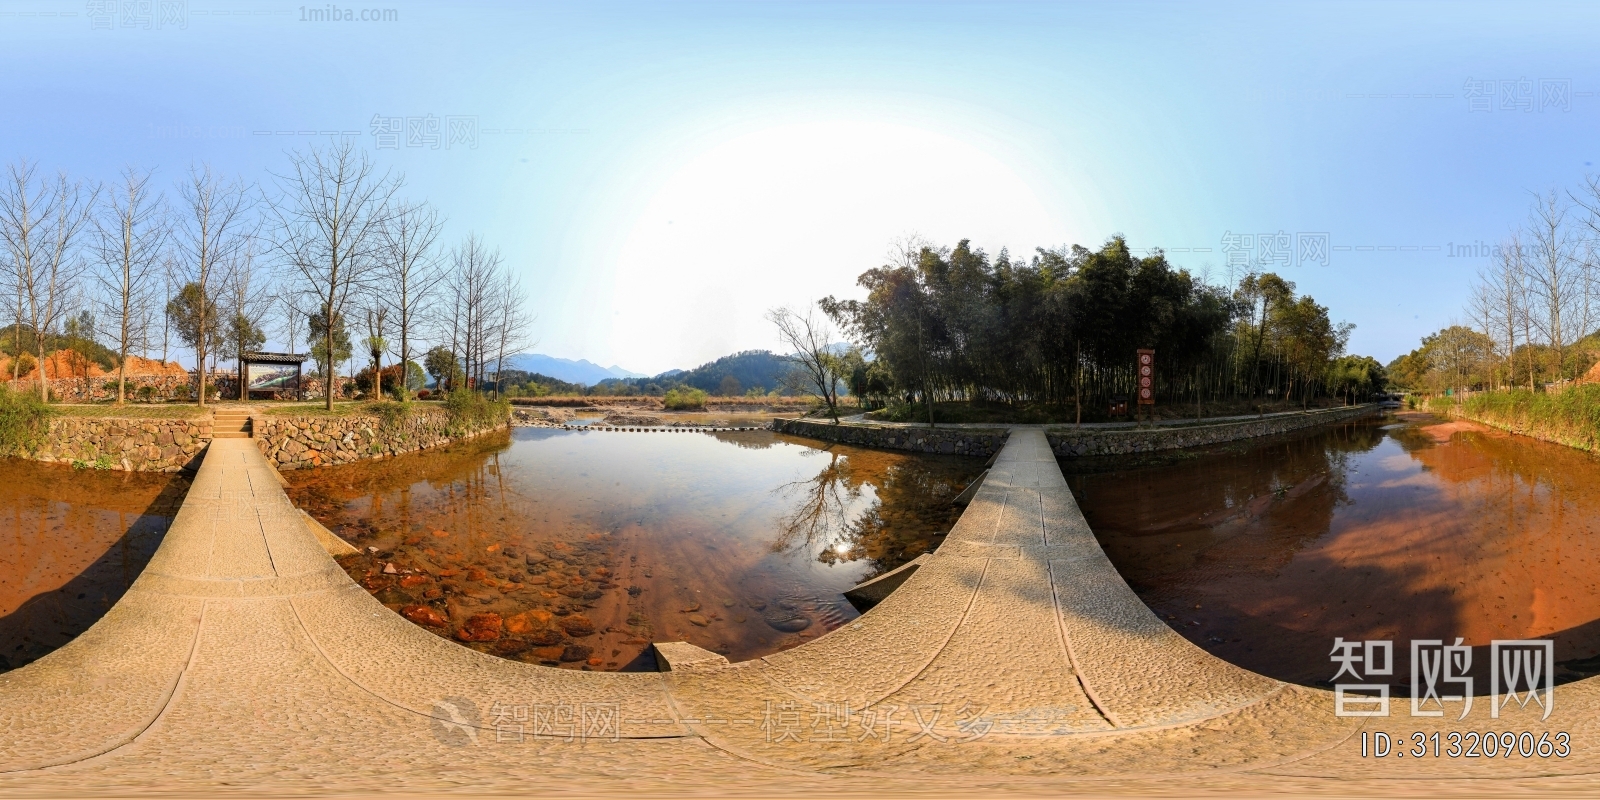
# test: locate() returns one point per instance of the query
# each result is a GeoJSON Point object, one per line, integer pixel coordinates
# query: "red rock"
{"type": "Point", "coordinates": [480, 628]}
{"type": "Point", "coordinates": [547, 653]}
{"type": "Point", "coordinates": [424, 615]}
{"type": "Point", "coordinates": [413, 580]}
{"type": "Point", "coordinates": [545, 637]}
{"type": "Point", "coordinates": [577, 625]}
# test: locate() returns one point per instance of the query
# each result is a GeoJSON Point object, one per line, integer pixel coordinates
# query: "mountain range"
{"type": "Point", "coordinates": [581, 371]}
{"type": "Point", "coordinates": [750, 368]}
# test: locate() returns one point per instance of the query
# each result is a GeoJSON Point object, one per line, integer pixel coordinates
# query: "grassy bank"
{"type": "Point", "coordinates": [130, 411]}
{"type": "Point", "coordinates": [1570, 417]}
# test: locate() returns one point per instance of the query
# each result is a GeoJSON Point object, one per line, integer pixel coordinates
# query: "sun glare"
{"type": "Point", "coordinates": [798, 211]}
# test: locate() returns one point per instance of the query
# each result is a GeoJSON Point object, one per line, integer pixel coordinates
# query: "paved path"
{"type": "Point", "coordinates": [243, 660]}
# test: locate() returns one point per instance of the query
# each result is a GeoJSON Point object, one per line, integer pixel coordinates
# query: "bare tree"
{"type": "Point", "coordinates": [40, 224]}
{"type": "Point", "coordinates": [512, 324]}
{"type": "Point", "coordinates": [809, 336]}
{"type": "Point", "coordinates": [169, 271]}
{"type": "Point", "coordinates": [215, 231]}
{"type": "Point", "coordinates": [470, 286]}
{"type": "Point", "coordinates": [25, 208]}
{"type": "Point", "coordinates": [409, 264]}
{"type": "Point", "coordinates": [1554, 274]}
{"type": "Point", "coordinates": [328, 224]}
{"type": "Point", "coordinates": [247, 301]}
{"type": "Point", "coordinates": [1499, 301]}
{"type": "Point", "coordinates": [130, 244]}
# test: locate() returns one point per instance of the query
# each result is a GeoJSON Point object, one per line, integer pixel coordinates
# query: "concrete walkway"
{"type": "Point", "coordinates": [1015, 659]}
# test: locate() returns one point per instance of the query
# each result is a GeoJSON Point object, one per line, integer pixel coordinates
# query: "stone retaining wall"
{"type": "Point", "coordinates": [1072, 443]}
{"type": "Point", "coordinates": [313, 441]}
{"type": "Point", "coordinates": [951, 441]}
{"type": "Point", "coordinates": [135, 445]}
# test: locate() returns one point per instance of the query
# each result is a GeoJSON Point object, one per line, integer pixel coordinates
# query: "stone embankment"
{"type": "Point", "coordinates": [314, 441]}
{"type": "Point", "coordinates": [1067, 442]}
{"type": "Point", "coordinates": [1079, 442]}
{"type": "Point", "coordinates": [983, 442]}
{"type": "Point", "coordinates": [131, 444]}
{"type": "Point", "coordinates": [169, 445]}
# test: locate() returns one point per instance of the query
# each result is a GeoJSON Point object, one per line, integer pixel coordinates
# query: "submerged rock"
{"type": "Point", "coordinates": [545, 637]}
{"type": "Point", "coordinates": [481, 628]}
{"type": "Point", "coordinates": [424, 615]}
{"type": "Point", "coordinates": [786, 620]}
{"type": "Point", "coordinates": [577, 625]}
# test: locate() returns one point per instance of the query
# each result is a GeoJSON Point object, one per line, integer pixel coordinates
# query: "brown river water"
{"type": "Point", "coordinates": [1394, 528]}
{"type": "Point", "coordinates": [71, 542]}
{"type": "Point", "coordinates": [578, 548]}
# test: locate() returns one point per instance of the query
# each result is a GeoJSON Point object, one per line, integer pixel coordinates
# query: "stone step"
{"type": "Point", "coordinates": [216, 434]}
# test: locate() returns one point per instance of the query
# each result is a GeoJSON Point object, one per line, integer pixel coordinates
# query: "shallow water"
{"type": "Point", "coordinates": [71, 542]}
{"type": "Point", "coordinates": [579, 548]}
{"type": "Point", "coordinates": [1401, 527]}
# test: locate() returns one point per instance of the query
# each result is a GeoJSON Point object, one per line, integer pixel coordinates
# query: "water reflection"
{"type": "Point", "coordinates": [1405, 527]}
{"type": "Point", "coordinates": [579, 548]}
{"type": "Point", "coordinates": [71, 542]}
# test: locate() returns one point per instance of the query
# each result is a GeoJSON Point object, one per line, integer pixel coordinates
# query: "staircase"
{"type": "Point", "coordinates": [232, 423]}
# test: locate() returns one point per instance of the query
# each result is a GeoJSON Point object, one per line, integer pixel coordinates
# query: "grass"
{"type": "Point", "coordinates": [1570, 417]}
{"type": "Point", "coordinates": [130, 410]}
{"type": "Point", "coordinates": [315, 408]}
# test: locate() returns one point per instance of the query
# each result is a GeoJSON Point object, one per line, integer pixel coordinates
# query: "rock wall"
{"type": "Point", "coordinates": [135, 445]}
{"type": "Point", "coordinates": [1075, 442]}
{"type": "Point", "coordinates": [313, 441]}
{"type": "Point", "coordinates": [1065, 442]}
{"type": "Point", "coordinates": [951, 441]}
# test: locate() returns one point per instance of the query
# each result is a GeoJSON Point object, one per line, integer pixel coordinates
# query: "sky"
{"type": "Point", "coordinates": [663, 174]}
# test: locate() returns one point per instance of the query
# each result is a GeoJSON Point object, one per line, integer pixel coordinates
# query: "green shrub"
{"type": "Point", "coordinates": [471, 411]}
{"type": "Point", "coordinates": [684, 399]}
{"type": "Point", "coordinates": [390, 415]}
{"type": "Point", "coordinates": [24, 420]}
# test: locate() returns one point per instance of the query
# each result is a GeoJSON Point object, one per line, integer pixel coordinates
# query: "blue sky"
{"type": "Point", "coordinates": [663, 173]}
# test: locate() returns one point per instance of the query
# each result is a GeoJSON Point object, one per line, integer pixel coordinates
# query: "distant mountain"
{"type": "Point", "coordinates": [581, 371]}
{"type": "Point", "coordinates": [622, 373]}
{"type": "Point", "coordinates": [750, 369]}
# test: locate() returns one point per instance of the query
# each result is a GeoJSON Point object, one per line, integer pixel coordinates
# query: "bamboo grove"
{"type": "Point", "coordinates": [1060, 330]}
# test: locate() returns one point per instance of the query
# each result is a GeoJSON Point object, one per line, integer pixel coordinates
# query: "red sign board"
{"type": "Point", "coordinates": [1147, 377]}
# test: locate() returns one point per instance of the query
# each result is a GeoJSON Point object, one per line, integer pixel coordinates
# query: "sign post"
{"type": "Point", "coordinates": [1147, 377]}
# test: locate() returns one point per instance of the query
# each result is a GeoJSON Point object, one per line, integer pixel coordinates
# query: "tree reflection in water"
{"type": "Point", "coordinates": [1396, 528]}
{"type": "Point", "coordinates": [871, 506]}
{"type": "Point", "coordinates": [587, 546]}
